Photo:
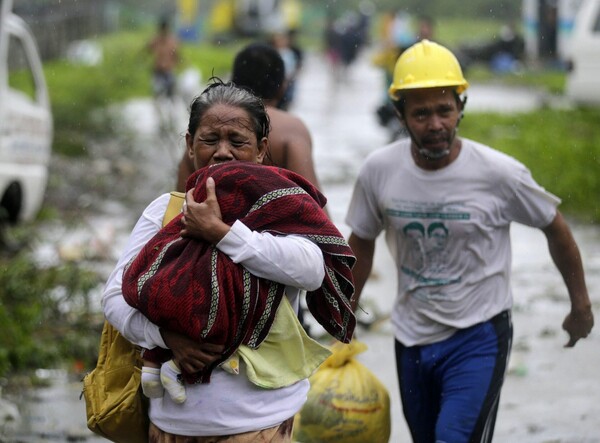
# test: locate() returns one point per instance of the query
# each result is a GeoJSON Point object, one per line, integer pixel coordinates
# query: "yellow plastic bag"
{"type": "Point", "coordinates": [346, 402]}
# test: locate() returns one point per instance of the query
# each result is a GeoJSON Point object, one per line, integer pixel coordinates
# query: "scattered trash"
{"type": "Point", "coordinates": [517, 367]}
{"type": "Point", "coordinates": [189, 84]}
{"type": "Point", "coordinates": [85, 52]}
{"type": "Point", "coordinates": [9, 417]}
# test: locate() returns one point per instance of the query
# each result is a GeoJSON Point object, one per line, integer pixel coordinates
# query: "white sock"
{"type": "Point", "coordinates": [151, 385]}
{"type": "Point", "coordinates": [169, 377]}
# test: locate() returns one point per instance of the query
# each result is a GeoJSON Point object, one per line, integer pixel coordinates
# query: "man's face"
{"type": "Point", "coordinates": [431, 115]}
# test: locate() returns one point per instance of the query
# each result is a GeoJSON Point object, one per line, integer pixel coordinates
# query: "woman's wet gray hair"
{"type": "Point", "coordinates": [229, 94]}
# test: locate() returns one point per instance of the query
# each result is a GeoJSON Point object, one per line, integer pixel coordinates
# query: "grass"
{"type": "Point", "coordinates": [552, 81]}
{"type": "Point", "coordinates": [76, 91]}
{"type": "Point", "coordinates": [560, 147]}
{"type": "Point", "coordinates": [37, 331]}
{"type": "Point", "coordinates": [453, 32]}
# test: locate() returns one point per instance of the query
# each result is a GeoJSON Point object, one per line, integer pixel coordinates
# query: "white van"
{"type": "Point", "coordinates": [583, 80]}
{"type": "Point", "coordinates": [26, 127]}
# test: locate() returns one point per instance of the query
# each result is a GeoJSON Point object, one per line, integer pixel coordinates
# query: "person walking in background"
{"type": "Point", "coordinates": [331, 45]}
{"type": "Point", "coordinates": [282, 43]}
{"type": "Point", "coordinates": [343, 39]}
{"type": "Point", "coordinates": [289, 94]}
{"type": "Point", "coordinates": [452, 313]}
{"type": "Point", "coordinates": [164, 47]}
{"type": "Point", "coordinates": [227, 130]}
{"type": "Point", "coordinates": [425, 28]}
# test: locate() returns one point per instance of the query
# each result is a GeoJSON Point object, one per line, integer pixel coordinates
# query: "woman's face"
{"type": "Point", "coordinates": [225, 133]}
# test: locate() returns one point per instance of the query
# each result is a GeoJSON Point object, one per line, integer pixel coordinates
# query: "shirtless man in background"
{"type": "Point", "coordinates": [164, 48]}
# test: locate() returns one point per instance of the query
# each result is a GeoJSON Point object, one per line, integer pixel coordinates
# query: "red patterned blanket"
{"type": "Point", "coordinates": [189, 286]}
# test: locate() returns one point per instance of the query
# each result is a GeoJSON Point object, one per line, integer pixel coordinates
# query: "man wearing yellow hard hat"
{"type": "Point", "coordinates": [451, 314]}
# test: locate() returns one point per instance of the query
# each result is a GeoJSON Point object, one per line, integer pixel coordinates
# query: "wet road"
{"type": "Point", "coordinates": [550, 395]}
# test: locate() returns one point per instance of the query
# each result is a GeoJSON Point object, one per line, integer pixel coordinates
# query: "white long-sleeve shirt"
{"type": "Point", "coordinates": [228, 404]}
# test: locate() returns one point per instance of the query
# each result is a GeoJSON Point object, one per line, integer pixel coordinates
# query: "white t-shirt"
{"type": "Point", "coordinates": [448, 232]}
{"type": "Point", "coordinates": [229, 404]}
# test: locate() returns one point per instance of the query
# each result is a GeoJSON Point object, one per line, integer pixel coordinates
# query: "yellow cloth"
{"type": "Point", "coordinates": [286, 356]}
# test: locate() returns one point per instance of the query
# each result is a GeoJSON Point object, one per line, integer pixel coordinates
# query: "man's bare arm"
{"type": "Point", "coordinates": [364, 250]}
{"type": "Point", "coordinates": [565, 254]}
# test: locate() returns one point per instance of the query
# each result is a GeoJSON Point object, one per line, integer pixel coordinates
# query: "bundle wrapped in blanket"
{"type": "Point", "coordinates": [189, 286]}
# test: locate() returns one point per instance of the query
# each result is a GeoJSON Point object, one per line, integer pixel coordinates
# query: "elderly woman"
{"type": "Point", "coordinates": [229, 124]}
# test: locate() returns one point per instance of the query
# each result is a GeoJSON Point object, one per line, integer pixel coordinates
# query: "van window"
{"type": "Point", "coordinates": [597, 22]}
{"type": "Point", "coordinates": [20, 73]}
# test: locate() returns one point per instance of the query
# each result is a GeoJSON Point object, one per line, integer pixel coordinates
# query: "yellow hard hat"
{"type": "Point", "coordinates": [426, 65]}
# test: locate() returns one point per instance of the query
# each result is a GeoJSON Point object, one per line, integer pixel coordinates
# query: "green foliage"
{"type": "Point", "coordinates": [77, 92]}
{"type": "Point", "coordinates": [44, 312]}
{"type": "Point", "coordinates": [560, 147]}
{"type": "Point", "coordinates": [454, 31]}
{"type": "Point", "coordinates": [22, 81]}
{"type": "Point", "coordinates": [210, 59]}
{"type": "Point", "coordinates": [552, 81]}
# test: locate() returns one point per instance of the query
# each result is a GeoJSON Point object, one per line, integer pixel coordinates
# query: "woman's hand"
{"type": "Point", "coordinates": [203, 221]}
{"type": "Point", "coordinates": [190, 355]}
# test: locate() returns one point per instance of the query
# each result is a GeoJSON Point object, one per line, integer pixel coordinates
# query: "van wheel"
{"type": "Point", "coordinates": [10, 207]}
